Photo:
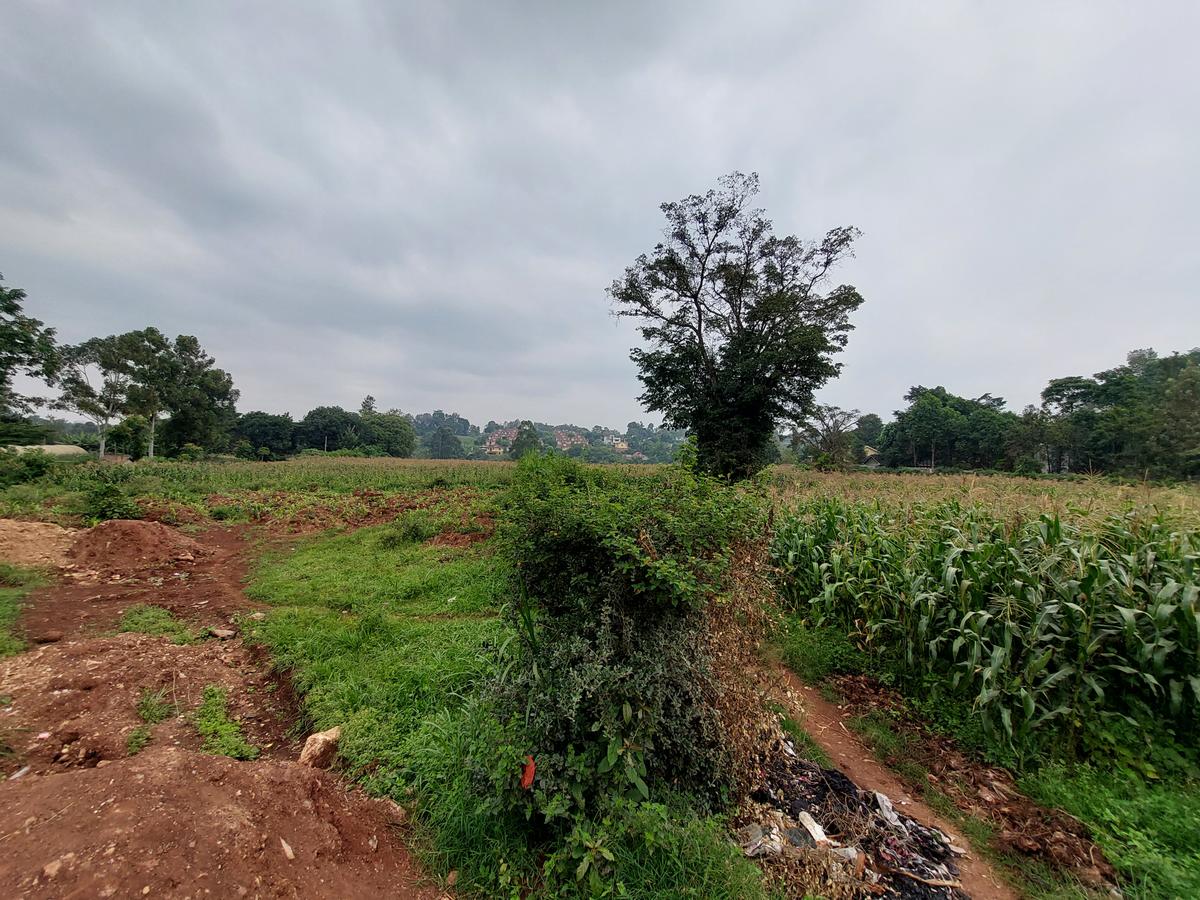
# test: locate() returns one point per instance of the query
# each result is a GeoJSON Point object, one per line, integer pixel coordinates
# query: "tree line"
{"type": "Point", "coordinates": [1140, 419]}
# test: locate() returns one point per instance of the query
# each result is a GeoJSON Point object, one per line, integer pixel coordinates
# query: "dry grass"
{"type": "Point", "coordinates": [1009, 497]}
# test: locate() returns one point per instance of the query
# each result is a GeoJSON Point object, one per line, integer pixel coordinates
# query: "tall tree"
{"type": "Point", "coordinates": [261, 430]}
{"type": "Point", "coordinates": [201, 398]}
{"type": "Point", "coordinates": [26, 348]}
{"type": "Point", "coordinates": [153, 369]}
{"type": "Point", "coordinates": [94, 382]}
{"type": "Point", "coordinates": [329, 428]}
{"type": "Point", "coordinates": [445, 444]}
{"type": "Point", "coordinates": [740, 327]}
{"type": "Point", "coordinates": [527, 441]}
{"type": "Point", "coordinates": [828, 435]}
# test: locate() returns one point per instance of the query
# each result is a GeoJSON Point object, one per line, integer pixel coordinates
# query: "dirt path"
{"type": "Point", "coordinates": [825, 723]}
{"type": "Point", "coordinates": [80, 817]}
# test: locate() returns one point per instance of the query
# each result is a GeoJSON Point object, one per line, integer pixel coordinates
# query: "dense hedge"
{"type": "Point", "coordinates": [611, 687]}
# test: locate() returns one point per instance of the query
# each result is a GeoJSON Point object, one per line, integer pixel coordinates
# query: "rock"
{"type": "Point", "coordinates": [452, 878]}
{"type": "Point", "coordinates": [320, 748]}
{"type": "Point", "coordinates": [287, 849]}
{"type": "Point", "coordinates": [256, 617]}
{"type": "Point", "coordinates": [52, 636]}
{"type": "Point", "coordinates": [222, 633]}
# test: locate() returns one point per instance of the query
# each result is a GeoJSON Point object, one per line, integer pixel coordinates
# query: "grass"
{"type": "Point", "coordinates": [137, 740]}
{"type": "Point", "coordinates": [15, 583]}
{"type": "Point", "coordinates": [375, 570]}
{"type": "Point", "coordinates": [1149, 830]}
{"type": "Point", "coordinates": [154, 620]}
{"type": "Point", "coordinates": [154, 707]}
{"type": "Point", "coordinates": [222, 736]}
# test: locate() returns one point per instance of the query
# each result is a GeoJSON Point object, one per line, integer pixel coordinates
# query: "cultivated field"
{"type": "Point", "coordinates": [561, 680]}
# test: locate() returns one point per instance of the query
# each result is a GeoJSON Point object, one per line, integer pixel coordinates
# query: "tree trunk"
{"type": "Point", "coordinates": [150, 445]}
{"type": "Point", "coordinates": [932, 461]}
{"type": "Point", "coordinates": [103, 440]}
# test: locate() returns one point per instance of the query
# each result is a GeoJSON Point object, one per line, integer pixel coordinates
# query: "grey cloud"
{"type": "Point", "coordinates": [426, 202]}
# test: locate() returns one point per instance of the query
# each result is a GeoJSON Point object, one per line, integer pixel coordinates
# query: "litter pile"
{"type": "Point", "coordinates": [123, 545]}
{"type": "Point", "coordinates": [800, 809]}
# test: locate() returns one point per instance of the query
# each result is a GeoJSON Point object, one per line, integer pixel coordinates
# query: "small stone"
{"type": "Point", "coordinates": [222, 633]}
{"type": "Point", "coordinates": [287, 849]}
{"type": "Point", "coordinates": [257, 617]}
{"type": "Point", "coordinates": [452, 878]}
{"type": "Point", "coordinates": [320, 748]}
{"type": "Point", "coordinates": [373, 843]}
{"type": "Point", "coordinates": [50, 869]}
{"type": "Point", "coordinates": [52, 636]}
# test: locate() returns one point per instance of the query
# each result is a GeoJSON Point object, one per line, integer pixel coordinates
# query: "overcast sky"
{"type": "Point", "coordinates": [426, 201]}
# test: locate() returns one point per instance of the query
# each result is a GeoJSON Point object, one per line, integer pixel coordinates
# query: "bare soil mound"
{"type": "Point", "coordinates": [73, 704]}
{"type": "Point", "coordinates": [124, 545]}
{"type": "Point", "coordinates": [177, 823]}
{"type": "Point", "coordinates": [34, 544]}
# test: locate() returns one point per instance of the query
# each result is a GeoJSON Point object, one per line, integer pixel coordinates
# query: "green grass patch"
{"type": "Point", "coordinates": [154, 706]}
{"type": "Point", "coordinates": [154, 620]}
{"type": "Point", "coordinates": [137, 740]}
{"type": "Point", "coordinates": [15, 583]}
{"type": "Point", "coordinates": [1149, 830]}
{"type": "Point", "coordinates": [379, 569]}
{"type": "Point", "coordinates": [222, 736]}
{"type": "Point", "coordinates": [816, 653]}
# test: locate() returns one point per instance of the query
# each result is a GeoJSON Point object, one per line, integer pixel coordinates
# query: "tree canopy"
{"type": "Point", "coordinates": [26, 348]}
{"type": "Point", "coordinates": [740, 326]}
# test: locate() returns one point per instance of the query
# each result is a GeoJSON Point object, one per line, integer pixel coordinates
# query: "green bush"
{"type": "Point", "coordinates": [107, 501]}
{"type": "Point", "coordinates": [610, 683]}
{"type": "Point", "coordinates": [19, 468]}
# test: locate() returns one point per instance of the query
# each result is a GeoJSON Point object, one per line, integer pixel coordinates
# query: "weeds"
{"type": "Point", "coordinates": [15, 583]}
{"type": "Point", "coordinates": [154, 620]}
{"type": "Point", "coordinates": [222, 736]}
{"type": "Point", "coordinates": [154, 707]}
{"type": "Point", "coordinates": [137, 740]}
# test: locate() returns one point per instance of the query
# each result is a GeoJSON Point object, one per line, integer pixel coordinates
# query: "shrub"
{"type": "Point", "coordinates": [190, 453]}
{"type": "Point", "coordinates": [107, 501]}
{"type": "Point", "coordinates": [611, 687]}
{"type": "Point", "coordinates": [19, 468]}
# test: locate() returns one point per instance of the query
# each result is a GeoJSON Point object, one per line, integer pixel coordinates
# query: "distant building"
{"type": "Point", "coordinates": [497, 442]}
{"type": "Point", "coordinates": [870, 457]}
{"type": "Point", "coordinates": [565, 440]}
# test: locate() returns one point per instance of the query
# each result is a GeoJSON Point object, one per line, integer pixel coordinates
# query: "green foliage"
{"type": "Point", "coordinates": [610, 681]}
{"type": "Point", "coordinates": [276, 433]}
{"type": "Point", "coordinates": [445, 444]}
{"type": "Point", "coordinates": [527, 441]}
{"type": "Point", "coordinates": [222, 736]}
{"type": "Point", "coordinates": [1065, 639]}
{"type": "Point", "coordinates": [190, 453]}
{"type": "Point", "coordinates": [15, 583]}
{"type": "Point", "coordinates": [154, 620]}
{"type": "Point", "coordinates": [26, 348]}
{"type": "Point", "coordinates": [108, 501]}
{"type": "Point", "coordinates": [1146, 828]}
{"type": "Point", "coordinates": [137, 740]}
{"type": "Point", "coordinates": [815, 653]}
{"type": "Point", "coordinates": [20, 467]}
{"type": "Point", "coordinates": [154, 706]}
{"type": "Point", "coordinates": [740, 334]}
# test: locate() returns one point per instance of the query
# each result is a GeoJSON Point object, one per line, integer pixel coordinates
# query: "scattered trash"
{"type": "Point", "coordinates": [287, 849]}
{"type": "Point", "coordinates": [801, 808]}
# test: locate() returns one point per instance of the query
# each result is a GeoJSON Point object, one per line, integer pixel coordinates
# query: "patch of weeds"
{"type": "Point", "coordinates": [15, 583]}
{"type": "Point", "coordinates": [108, 501]}
{"type": "Point", "coordinates": [154, 707]}
{"type": "Point", "coordinates": [144, 619]}
{"type": "Point", "coordinates": [137, 740]}
{"type": "Point", "coordinates": [222, 736]}
{"type": "Point", "coordinates": [816, 653]}
{"type": "Point", "coordinates": [1147, 829]}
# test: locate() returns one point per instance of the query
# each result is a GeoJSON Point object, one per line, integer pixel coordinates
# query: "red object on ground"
{"type": "Point", "coordinates": [527, 774]}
